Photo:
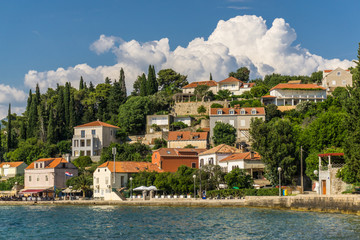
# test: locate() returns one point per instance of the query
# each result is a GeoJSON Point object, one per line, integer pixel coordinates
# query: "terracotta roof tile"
{"type": "Point", "coordinates": [130, 167]}
{"type": "Point", "coordinates": [241, 156]}
{"type": "Point", "coordinates": [54, 162]}
{"type": "Point", "coordinates": [250, 85]}
{"type": "Point", "coordinates": [96, 124]}
{"type": "Point", "coordinates": [237, 110]}
{"type": "Point", "coordinates": [187, 136]}
{"type": "Point", "coordinates": [210, 83]}
{"type": "Point", "coordinates": [268, 96]}
{"type": "Point", "coordinates": [297, 86]}
{"type": "Point", "coordinates": [230, 79]}
{"type": "Point", "coordinates": [11, 164]}
{"type": "Point", "coordinates": [222, 148]}
{"type": "Point", "coordinates": [179, 152]}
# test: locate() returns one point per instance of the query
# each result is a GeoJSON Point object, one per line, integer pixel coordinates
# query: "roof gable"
{"type": "Point", "coordinates": [53, 162]}
{"type": "Point", "coordinates": [222, 148]}
{"type": "Point", "coordinates": [130, 167]}
{"type": "Point", "coordinates": [96, 124]}
{"type": "Point", "coordinates": [231, 79]}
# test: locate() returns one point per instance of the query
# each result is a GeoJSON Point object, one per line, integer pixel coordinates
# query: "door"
{"type": "Point", "coordinates": [323, 187]}
{"type": "Point", "coordinates": [6, 171]}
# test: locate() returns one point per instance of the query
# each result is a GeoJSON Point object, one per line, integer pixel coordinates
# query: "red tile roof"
{"type": "Point", "coordinates": [259, 110]}
{"type": "Point", "coordinates": [210, 83]}
{"type": "Point", "coordinates": [222, 148]}
{"type": "Point", "coordinates": [241, 156]}
{"type": "Point", "coordinates": [96, 124]}
{"type": "Point", "coordinates": [187, 136]}
{"type": "Point", "coordinates": [11, 164]}
{"type": "Point", "coordinates": [268, 96]}
{"type": "Point", "coordinates": [230, 79]}
{"type": "Point", "coordinates": [130, 167]}
{"type": "Point", "coordinates": [297, 86]}
{"type": "Point", "coordinates": [327, 71]}
{"type": "Point", "coordinates": [330, 154]}
{"type": "Point", "coordinates": [54, 162]}
{"type": "Point", "coordinates": [179, 152]}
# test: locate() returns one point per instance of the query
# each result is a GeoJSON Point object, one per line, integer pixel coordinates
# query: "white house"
{"type": "Point", "coordinates": [234, 85]}
{"type": "Point", "coordinates": [11, 169]}
{"type": "Point", "coordinates": [162, 121]}
{"type": "Point", "coordinates": [109, 179]}
{"type": "Point", "coordinates": [90, 138]}
{"type": "Point", "coordinates": [214, 155]}
{"type": "Point", "coordinates": [294, 93]}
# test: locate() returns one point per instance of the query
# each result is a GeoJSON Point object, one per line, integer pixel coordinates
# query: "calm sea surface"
{"type": "Point", "coordinates": [114, 222]}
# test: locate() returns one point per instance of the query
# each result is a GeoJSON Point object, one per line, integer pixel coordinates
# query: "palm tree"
{"type": "Point", "coordinates": [83, 182]}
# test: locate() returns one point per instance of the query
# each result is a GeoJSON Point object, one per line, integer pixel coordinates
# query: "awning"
{"type": "Point", "coordinates": [31, 191]}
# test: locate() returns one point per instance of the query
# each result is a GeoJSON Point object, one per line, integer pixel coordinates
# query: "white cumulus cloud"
{"type": "Point", "coordinates": [239, 41]}
{"type": "Point", "coordinates": [11, 95]}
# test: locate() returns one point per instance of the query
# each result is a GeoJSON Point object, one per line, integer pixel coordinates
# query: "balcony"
{"type": "Point", "coordinates": [86, 136]}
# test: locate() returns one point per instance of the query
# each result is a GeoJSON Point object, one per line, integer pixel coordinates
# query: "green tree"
{"type": "Point", "coordinates": [152, 86]}
{"type": "Point", "coordinates": [201, 90]}
{"type": "Point", "coordinates": [242, 74]}
{"type": "Point", "coordinates": [82, 182]}
{"type": "Point", "coordinates": [259, 91]}
{"type": "Point", "coordinates": [81, 85]}
{"type": "Point", "coordinates": [122, 83]}
{"type": "Point", "coordinates": [223, 94]}
{"type": "Point", "coordinates": [210, 78]}
{"type": "Point", "coordinates": [201, 109]}
{"type": "Point", "coordinates": [168, 78]}
{"type": "Point", "coordinates": [143, 85]}
{"type": "Point", "coordinates": [9, 130]}
{"type": "Point", "coordinates": [178, 125]}
{"type": "Point", "coordinates": [216, 105]}
{"type": "Point", "coordinates": [238, 178]}
{"type": "Point", "coordinates": [224, 133]}
{"type": "Point", "coordinates": [82, 162]}
{"type": "Point", "coordinates": [316, 77]}
{"type": "Point", "coordinates": [272, 111]}
{"type": "Point", "coordinates": [159, 143]}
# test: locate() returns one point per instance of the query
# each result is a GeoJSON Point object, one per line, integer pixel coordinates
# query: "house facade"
{"type": "Point", "coordinates": [234, 85]}
{"type": "Point", "coordinates": [188, 120]}
{"type": "Point", "coordinates": [181, 139]}
{"type": "Point", "coordinates": [190, 88]}
{"type": "Point", "coordinates": [48, 173]}
{"type": "Point", "coordinates": [239, 118]}
{"type": "Point", "coordinates": [161, 121]}
{"type": "Point", "coordinates": [214, 155]}
{"type": "Point", "coordinates": [90, 138]}
{"type": "Point", "coordinates": [170, 159]}
{"type": "Point", "coordinates": [11, 169]}
{"type": "Point", "coordinates": [285, 94]}
{"type": "Point", "coordinates": [110, 178]}
{"type": "Point", "coordinates": [336, 78]}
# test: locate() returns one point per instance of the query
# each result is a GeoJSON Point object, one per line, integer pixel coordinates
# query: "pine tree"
{"type": "Point", "coordinates": [122, 82]}
{"type": "Point", "coordinates": [9, 130]}
{"type": "Point", "coordinates": [81, 85]}
{"type": "Point", "coordinates": [143, 85]}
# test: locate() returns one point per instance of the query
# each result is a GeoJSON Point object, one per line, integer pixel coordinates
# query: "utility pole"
{"type": "Point", "coordinates": [301, 169]}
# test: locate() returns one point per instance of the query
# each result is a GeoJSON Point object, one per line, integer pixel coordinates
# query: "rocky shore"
{"type": "Point", "coordinates": [349, 204]}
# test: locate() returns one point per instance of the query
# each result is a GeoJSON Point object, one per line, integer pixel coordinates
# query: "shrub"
{"type": "Point", "coordinates": [216, 105]}
{"type": "Point", "coordinates": [201, 109]}
{"type": "Point", "coordinates": [82, 161]}
{"type": "Point", "coordinates": [243, 192]}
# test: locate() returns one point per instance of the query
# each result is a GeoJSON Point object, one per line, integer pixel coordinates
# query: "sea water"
{"type": "Point", "coordinates": [125, 222]}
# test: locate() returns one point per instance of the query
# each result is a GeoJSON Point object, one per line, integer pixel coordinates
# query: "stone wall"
{"type": "Point", "coordinates": [190, 108]}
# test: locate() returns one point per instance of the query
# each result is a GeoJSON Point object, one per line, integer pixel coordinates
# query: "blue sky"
{"type": "Point", "coordinates": [47, 35]}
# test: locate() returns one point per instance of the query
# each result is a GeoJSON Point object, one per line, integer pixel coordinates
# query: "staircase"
{"type": "Point", "coordinates": [119, 193]}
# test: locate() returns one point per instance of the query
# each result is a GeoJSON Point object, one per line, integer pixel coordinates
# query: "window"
{"type": "Point", "coordinates": [82, 133]}
{"type": "Point", "coordinates": [97, 180]}
{"type": "Point", "coordinates": [193, 165]}
{"type": "Point", "coordinates": [37, 178]}
{"type": "Point", "coordinates": [233, 85]}
{"type": "Point", "coordinates": [232, 123]}
{"type": "Point", "coordinates": [344, 82]}
{"type": "Point", "coordinates": [211, 161]}
{"type": "Point", "coordinates": [333, 83]}
{"type": "Point", "coordinates": [219, 112]}
{"type": "Point", "coordinates": [122, 181]}
{"type": "Point", "coordinates": [107, 180]}
{"type": "Point", "coordinates": [46, 178]}
{"type": "Point", "coordinates": [29, 178]}
{"type": "Point", "coordinates": [338, 73]}
{"type": "Point", "coordinates": [201, 162]}
{"type": "Point", "coordinates": [242, 123]}
{"type": "Point", "coordinates": [93, 132]}
{"type": "Point", "coordinates": [98, 170]}
{"type": "Point", "coordinates": [253, 111]}
{"type": "Point", "coordinates": [88, 142]}
{"type": "Point", "coordinates": [36, 165]}
{"type": "Point", "coordinates": [232, 112]}
{"type": "Point", "coordinates": [242, 111]}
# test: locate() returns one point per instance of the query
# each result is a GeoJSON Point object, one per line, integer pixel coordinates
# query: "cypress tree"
{"type": "Point", "coordinates": [143, 85]}
{"type": "Point", "coordinates": [81, 85]}
{"type": "Point", "coordinates": [29, 100]}
{"type": "Point", "coordinates": [91, 87]}
{"type": "Point", "coordinates": [66, 103]}
{"type": "Point", "coordinates": [51, 132]}
{"type": "Point", "coordinates": [60, 116]}
{"type": "Point", "coordinates": [37, 94]}
{"type": "Point", "coordinates": [151, 81]}
{"type": "Point", "coordinates": [33, 126]}
{"type": "Point", "coordinates": [9, 129]}
{"type": "Point", "coordinates": [23, 129]}
{"type": "Point", "coordinates": [122, 82]}
{"type": "Point", "coordinates": [1, 148]}
{"type": "Point", "coordinates": [42, 121]}
{"type": "Point", "coordinates": [72, 116]}
{"type": "Point", "coordinates": [211, 77]}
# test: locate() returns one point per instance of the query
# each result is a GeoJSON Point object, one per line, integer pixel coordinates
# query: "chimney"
{"type": "Point", "coordinates": [67, 157]}
{"type": "Point", "coordinates": [251, 155]}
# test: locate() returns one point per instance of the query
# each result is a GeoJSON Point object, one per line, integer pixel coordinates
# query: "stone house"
{"type": "Point", "coordinates": [11, 169]}
{"type": "Point", "coordinates": [90, 138]}
{"type": "Point", "coordinates": [239, 118]}
{"type": "Point", "coordinates": [234, 85]}
{"type": "Point", "coordinates": [110, 178]}
{"type": "Point", "coordinates": [214, 155]}
{"type": "Point", "coordinates": [285, 94]}
{"type": "Point", "coordinates": [336, 78]}
{"type": "Point", "coordinates": [180, 139]}
{"type": "Point", "coordinates": [170, 159]}
{"type": "Point", "coordinates": [48, 174]}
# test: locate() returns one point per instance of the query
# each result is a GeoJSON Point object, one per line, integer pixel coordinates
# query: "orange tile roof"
{"type": "Point", "coordinates": [11, 164]}
{"type": "Point", "coordinates": [54, 162]}
{"type": "Point", "coordinates": [250, 85]}
{"type": "Point", "coordinates": [179, 152]}
{"type": "Point", "coordinates": [230, 79]}
{"type": "Point", "coordinates": [328, 71]}
{"type": "Point", "coordinates": [96, 124]}
{"type": "Point", "coordinates": [187, 136]}
{"type": "Point", "coordinates": [241, 156]}
{"type": "Point", "coordinates": [297, 86]}
{"type": "Point", "coordinates": [210, 83]}
{"type": "Point", "coordinates": [222, 148]}
{"type": "Point", "coordinates": [130, 167]}
{"type": "Point", "coordinates": [259, 111]}
{"type": "Point", "coordinates": [268, 96]}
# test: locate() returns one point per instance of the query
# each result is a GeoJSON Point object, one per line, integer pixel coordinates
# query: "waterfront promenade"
{"type": "Point", "coordinates": [336, 203]}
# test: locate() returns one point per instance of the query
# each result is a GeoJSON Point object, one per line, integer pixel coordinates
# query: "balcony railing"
{"type": "Point", "coordinates": [86, 136]}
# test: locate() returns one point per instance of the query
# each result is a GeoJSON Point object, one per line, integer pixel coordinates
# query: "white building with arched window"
{"type": "Point", "coordinates": [214, 155]}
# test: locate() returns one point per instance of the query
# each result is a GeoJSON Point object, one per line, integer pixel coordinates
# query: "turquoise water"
{"type": "Point", "coordinates": [115, 222]}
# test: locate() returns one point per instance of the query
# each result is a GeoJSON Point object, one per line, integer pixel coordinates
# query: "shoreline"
{"type": "Point", "coordinates": [345, 204]}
